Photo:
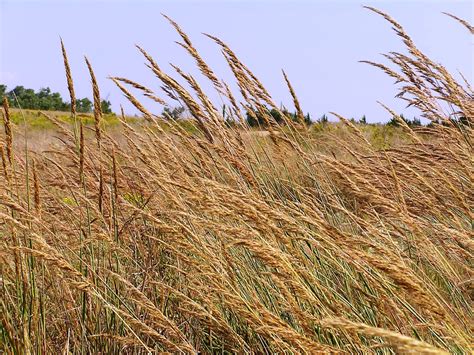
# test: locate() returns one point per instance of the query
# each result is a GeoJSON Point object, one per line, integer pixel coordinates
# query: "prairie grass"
{"type": "Point", "coordinates": [220, 240]}
{"type": "Point", "coordinates": [35, 119]}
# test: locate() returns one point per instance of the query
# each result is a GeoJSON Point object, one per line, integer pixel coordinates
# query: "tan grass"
{"type": "Point", "coordinates": [218, 239]}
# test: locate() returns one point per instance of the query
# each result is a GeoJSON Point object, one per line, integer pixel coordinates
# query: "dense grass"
{"type": "Point", "coordinates": [218, 239]}
{"type": "Point", "coordinates": [35, 119]}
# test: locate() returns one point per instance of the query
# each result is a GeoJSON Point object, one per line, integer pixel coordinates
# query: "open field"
{"type": "Point", "coordinates": [143, 235]}
{"type": "Point", "coordinates": [39, 127]}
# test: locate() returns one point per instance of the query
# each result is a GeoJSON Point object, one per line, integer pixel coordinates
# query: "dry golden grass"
{"type": "Point", "coordinates": [223, 241]}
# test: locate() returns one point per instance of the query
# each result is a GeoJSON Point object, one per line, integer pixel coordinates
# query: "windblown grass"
{"type": "Point", "coordinates": [223, 241]}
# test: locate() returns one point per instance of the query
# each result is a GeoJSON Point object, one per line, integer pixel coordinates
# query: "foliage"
{"type": "Point", "coordinates": [106, 106]}
{"type": "Point", "coordinates": [46, 100]}
{"type": "Point", "coordinates": [260, 117]}
{"type": "Point", "coordinates": [323, 119]}
{"type": "Point", "coordinates": [174, 113]}
{"type": "Point", "coordinates": [84, 105]}
{"type": "Point", "coordinates": [415, 122]}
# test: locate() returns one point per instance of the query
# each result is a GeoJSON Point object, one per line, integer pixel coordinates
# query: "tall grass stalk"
{"type": "Point", "coordinates": [209, 236]}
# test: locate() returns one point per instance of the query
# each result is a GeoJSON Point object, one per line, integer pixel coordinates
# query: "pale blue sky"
{"type": "Point", "coordinates": [318, 43]}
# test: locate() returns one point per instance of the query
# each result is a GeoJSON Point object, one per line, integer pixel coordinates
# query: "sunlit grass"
{"type": "Point", "coordinates": [146, 235]}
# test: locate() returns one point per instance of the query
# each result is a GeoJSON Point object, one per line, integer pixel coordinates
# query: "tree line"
{"type": "Point", "coordinates": [45, 99]}
{"type": "Point", "coordinates": [255, 118]}
{"type": "Point", "coordinates": [259, 117]}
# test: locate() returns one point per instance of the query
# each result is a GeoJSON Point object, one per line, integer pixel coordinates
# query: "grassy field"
{"type": "Point", "coordinates": [45, 120]}
{"type": "Point", "coordinates": [148, 235]}
{"type": "Point", "coordinates": [39, 127]}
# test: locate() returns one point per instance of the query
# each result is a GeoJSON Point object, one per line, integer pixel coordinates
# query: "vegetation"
{"type": "Point", "coordinates": [226, 240]}
{"type": "Point", "coordinates": [259, 117]}
{"type": "Point", "coordinates": [44, 99]}
{"type": "Point", "coordinates": [48, 120]}
{"type": "Point", "coordinates": [174, 113]}
{"type": "Point", "coordinates": [397, 121]}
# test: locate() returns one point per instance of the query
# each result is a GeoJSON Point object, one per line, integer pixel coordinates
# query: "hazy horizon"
{"type": "Point", "coordinates": [317, 43]}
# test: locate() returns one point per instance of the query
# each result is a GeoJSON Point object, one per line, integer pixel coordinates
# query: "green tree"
{"type": "Point", "coordinates": [26, 98]}
{"type": "Point", "coordinates": [416, 122]}
{"type": "Point", "coordinates": [56, 101]}
{"type": "Point", "coordinates": [17, 93]}
{"type": "Point", "coordinates": [324, 119]}
{"type": "Point", "coordinates": [84, 105]}
{"type": "Point", "coordinates": [106, 106]}
{"type": "Point", "coordinates": [45, 99]}
{"type": "Point", "coordinates": [3, 91]}
{"type": "Point", "coordinates": [174, 113]}
{"type": "Point", "coordinates": [395, 122]}
{"type": "Point", "coordinates": [411, 123]}
{"type": "Point", "coordinates": [257, 118]}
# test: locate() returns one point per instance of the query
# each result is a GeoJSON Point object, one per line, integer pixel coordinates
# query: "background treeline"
{"type": "Point", "coordinates": [255, 118]}
{"type": "Point", "coordinates": [44, 99]}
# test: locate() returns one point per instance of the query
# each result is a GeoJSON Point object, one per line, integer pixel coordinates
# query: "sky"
{"type": "Point", "coordinates": [318, 43]}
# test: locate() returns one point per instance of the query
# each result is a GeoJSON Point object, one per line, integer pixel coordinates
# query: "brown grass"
{"type": "Point", "coordinates": [224, 241]}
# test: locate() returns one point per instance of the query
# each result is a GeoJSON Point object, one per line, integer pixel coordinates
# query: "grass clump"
{"type": "Point", "coordinates": [232, 241]}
